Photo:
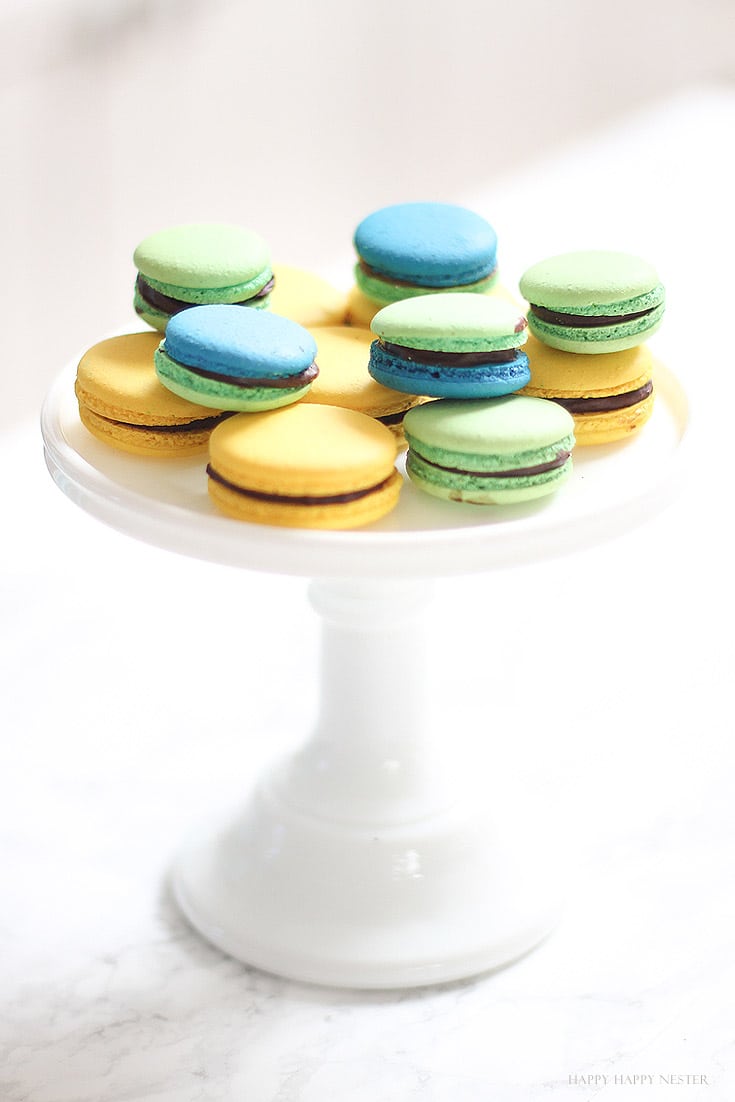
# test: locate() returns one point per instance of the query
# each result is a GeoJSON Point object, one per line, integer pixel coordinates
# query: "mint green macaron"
{"type": "Point", "coordinates": [200, 263]}
{"type": "Point", "coordinates": [495, 451]}
{"type": "Point", "coordinates": [593, 301]}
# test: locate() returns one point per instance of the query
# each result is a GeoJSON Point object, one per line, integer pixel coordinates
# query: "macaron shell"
{"type": "Point", "coordinates": [560, 374]}
{"type": "Point", "coordinates": [607, 428]}
{"type": "Point", "coordinates": [303, 451]}
{"type": "Point", "coordinates": [240, 294]}
{"type": "Point", "coordinates": [353, 514]}
{"type": "Point", "coordinates": [342, 355]}
{"type": "Point", "coordinates": [137, 440]}
{"type": "Point", "coordinates": [203, 255]}
{"type": "Point", "coordinates": [306, 298]}
{"type": "Point", "coordinates": [505, 428]}
{"type": "Point", "coordinates": [604, 338]}
{"type": "Point", "coordinates": [448, 381]}
{"type": "Point", "coordinates": [452, 323]}
{"type": "Point", "coordinates": [429, 244]}
{"type": "Point", "coordinates": [218, 394]}
{"type": "Point", "coordinates": [116, 379]}
{"type": "Point", "coordinates": [385, 291]}
{"type": "Point", "coordinates": [477, 491]}
{"type": "Point", "coordinates": [575, 281]}
{"type": "Point", "coordinates": [235, 341]}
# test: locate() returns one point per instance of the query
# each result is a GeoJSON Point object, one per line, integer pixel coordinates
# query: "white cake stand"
{"type": "Point", "coordinates": [366, 859]}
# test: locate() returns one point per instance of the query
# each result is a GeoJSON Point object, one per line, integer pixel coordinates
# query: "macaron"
{"type": "Point", "coordinates": [493, 452]}
{"type": "Point", "coordinates": [610, 396]}
{"type": "Point", "coordinates": [450, 346]}
{"type": "Point", "coordinates": [122, 402]}
{"type": "Point", "coordinates": [593, 301]}
{"type": "Point", "coordinates": [235, 359]}
{"type": "Point", "coordinates": [197, 264]}
{"type": "Point", "coordinates": [306, 298]}
{"type": "Point", "coordinates": [304, 467]}
{"type": "Point", "coordinates": [416, 248]}
{"type": "Point", "coordinates": [344, 380]}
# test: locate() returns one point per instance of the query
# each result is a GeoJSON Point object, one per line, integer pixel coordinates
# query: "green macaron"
{"type": "Point", "coordinates": [199, 264]}
{"type": "Point", "coordinates": [594, 301]}
{"type": "Point", "coordinates": [495, 451]}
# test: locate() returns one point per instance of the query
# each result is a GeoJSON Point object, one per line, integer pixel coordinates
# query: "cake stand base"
{"type": "Point", "coordinates": [430, 902]}
{"type": "Point", "coordinates": [366, 859]}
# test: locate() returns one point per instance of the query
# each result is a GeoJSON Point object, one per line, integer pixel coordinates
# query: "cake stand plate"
{"type": "Point", "coordinates": [369, 858]}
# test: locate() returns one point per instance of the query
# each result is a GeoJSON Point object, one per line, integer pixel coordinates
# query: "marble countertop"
{"type": "Point", "coordinates": [109, 754]}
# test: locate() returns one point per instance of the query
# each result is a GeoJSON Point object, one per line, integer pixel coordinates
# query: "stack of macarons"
{"type": "Point", "coordinates": [479, 442]}
{"type": "Point", "coordinates": [446, 366]}
{"type": "Point", "coordinates": [590, 314]}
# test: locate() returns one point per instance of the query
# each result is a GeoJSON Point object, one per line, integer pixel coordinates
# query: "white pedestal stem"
{"type": "Point", "coordinates": [374, 757]}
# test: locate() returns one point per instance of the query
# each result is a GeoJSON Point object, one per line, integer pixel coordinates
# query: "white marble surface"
{"type": "Point", "coordinates": [140, 688]}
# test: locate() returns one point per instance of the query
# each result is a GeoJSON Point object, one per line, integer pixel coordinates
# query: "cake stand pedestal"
{"type": "Point", "coordinates": [369, 858]}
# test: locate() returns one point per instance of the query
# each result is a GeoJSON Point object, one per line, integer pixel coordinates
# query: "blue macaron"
{"type": "Point", "coordinates": [234, 359]}
{"type": "Point", "coordinates": [413, 248]}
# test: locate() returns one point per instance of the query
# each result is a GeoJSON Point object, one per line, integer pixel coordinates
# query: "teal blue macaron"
{"type": "Point", "coordinates": [594, 301]}
{"type": "Point", "coordinates": [233, 359]}
{"type": "Point", "coordinates": [496, 451]}
{"type": "Point", "coordinates": [197, 264]}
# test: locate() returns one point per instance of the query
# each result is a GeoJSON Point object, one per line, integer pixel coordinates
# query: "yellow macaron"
{"type": "Point", "coordinates": [609, 395]}
{"type": "Point", "coordinates": [304, 466]}
{"type": "Point", "coordinates": [342, 356]}
{"type": "Point", "coordinates": [122, 402]}
{"type": "Point", "coordinates": [306, 298]}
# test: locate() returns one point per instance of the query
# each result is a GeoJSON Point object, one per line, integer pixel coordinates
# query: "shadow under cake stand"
{"type": "Point", "coordinates": [364, 859]}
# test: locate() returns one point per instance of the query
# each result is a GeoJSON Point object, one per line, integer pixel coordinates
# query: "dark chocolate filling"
{"type": "Point", "coordinates": [451, 359]}
{"type": "Point", "coordinates": [392, 418]}
{"type": "Point", "coordinates": [201, 425]}
{"type": "Point", "coordinates": [245, 382]}
{"type": "Point", "coordinates": [519, 472]}
{"type": "Point", "coordinates": [287, 499]}
{"type": "Point", "coordinates": [585, 321]}
{"type": "Point", "coordinates": [172, 306]}
{"type": "Point", "coordinates": [375, 274]}
{"type": "Point", "coordinates": [607, 402]}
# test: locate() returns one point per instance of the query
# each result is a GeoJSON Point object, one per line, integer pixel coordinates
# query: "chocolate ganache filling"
{"type": "Point", "coordinates": [586, 321]}
{"type": "Point", "coordinates": [203, 424]}
{"type": "Point", "coordinates": [608, 402]}
{"type": "Point", "coordinates": [518, 472]}
{"type": "Point", "coordinates": [246, 382]}
{"type": "Point", "coordinates": [172, 306]}
{"type": "Point", "coordinates": [287, 499]}
{"type": "Point", "coordinates": [450, 359]}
